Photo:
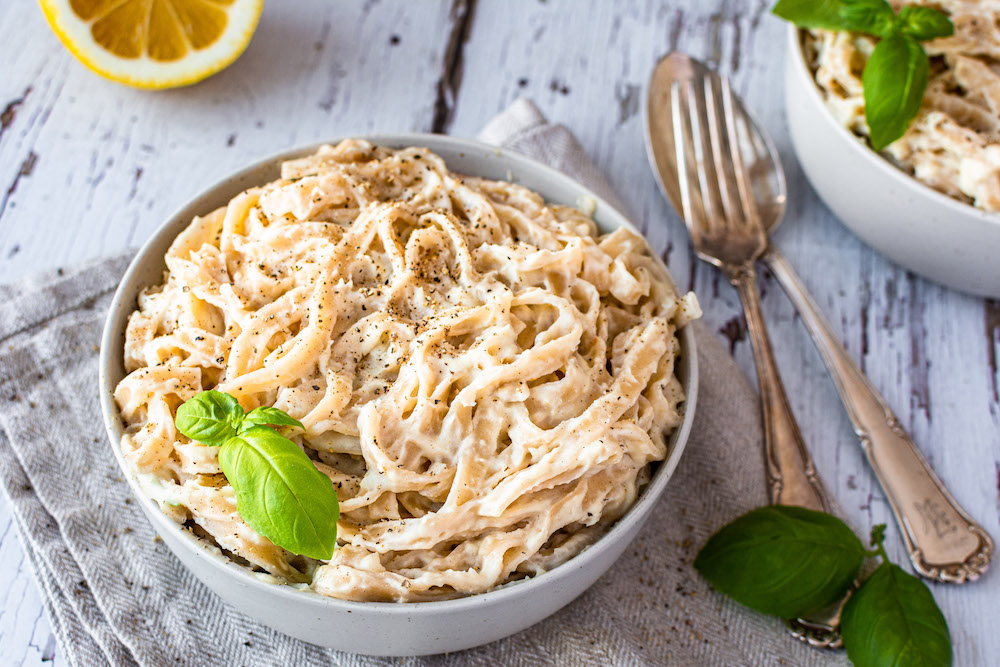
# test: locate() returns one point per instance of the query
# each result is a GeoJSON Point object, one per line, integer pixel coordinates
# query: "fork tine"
{"type": "Point", "coordinates": [706, 168]}
{"type": "Point", "coordinates": [751, 214]}
{"type": "Point", "coordinates": [682, 140]}
{"type": "Point", "coordinates": [724, 174]}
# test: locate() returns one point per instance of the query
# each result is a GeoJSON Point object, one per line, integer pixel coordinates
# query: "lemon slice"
{"type": "Point", "coordinates": [154, 43]}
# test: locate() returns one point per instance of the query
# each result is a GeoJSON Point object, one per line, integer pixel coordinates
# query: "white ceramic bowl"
{"type": "Point", "coordinates": [372, 627]}
{"type": "Point", "coordinates": [911, 223]}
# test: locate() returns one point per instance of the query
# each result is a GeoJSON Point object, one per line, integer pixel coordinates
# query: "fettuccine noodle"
{"type": "Point", "coordinates": [484, 379]}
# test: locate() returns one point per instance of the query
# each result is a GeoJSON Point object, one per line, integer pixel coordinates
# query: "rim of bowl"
{"type": "Point", "coordinates": [212, 555]}
{"type": "Point", "coordinates": [861, 148]}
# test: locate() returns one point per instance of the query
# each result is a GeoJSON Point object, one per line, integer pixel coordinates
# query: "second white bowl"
{"type": "Point", "coordinates": [910, 223]}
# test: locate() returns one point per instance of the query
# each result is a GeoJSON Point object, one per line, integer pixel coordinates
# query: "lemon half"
{"type": "Point", "coordinates": [154, 43]}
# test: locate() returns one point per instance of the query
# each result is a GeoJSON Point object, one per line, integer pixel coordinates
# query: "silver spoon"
{"type": "Point", "coordinates": [944, 543]}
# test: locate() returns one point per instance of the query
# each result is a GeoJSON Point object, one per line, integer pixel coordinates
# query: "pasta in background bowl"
{"type": "Point", "coordinates": [417, 285]}
{"type": "Point", "coordinates": [924, 230]}
{"type": "Point", "coordinates": [953, 144]}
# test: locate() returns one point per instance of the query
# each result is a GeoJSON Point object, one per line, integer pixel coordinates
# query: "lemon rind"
{"type": "Point", "coordinates": [144, 72]}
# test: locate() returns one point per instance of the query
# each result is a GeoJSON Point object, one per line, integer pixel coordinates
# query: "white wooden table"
{"type": "Point", "coordinates": [88, 167]}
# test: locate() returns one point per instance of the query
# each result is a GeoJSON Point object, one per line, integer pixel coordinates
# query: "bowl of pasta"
{"type": "Point", "coordinates": [931, 200]}
{"type": "Point", "coordinates": [398, 395]}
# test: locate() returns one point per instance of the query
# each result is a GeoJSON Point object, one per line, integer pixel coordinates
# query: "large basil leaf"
{"type": "Point", "coordinates": [280, 493]}
{"type": "Point", "coordinates": [784, 561]}
{"type": "Point", "coordinates": [925, 23]}
{"type": "Point", "coordinates": [813, 14]}
{"type": "Point", "coordinates": [210, 417]}
{"type": "Point", "coordinates": [264, 415]}
{"type": "Point", "coordinates": [894, 81]}
{"type": "Point", "coordinates": [892, 619]}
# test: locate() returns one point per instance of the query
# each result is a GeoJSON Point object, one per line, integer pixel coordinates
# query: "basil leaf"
{"type": "Point", "coordinates": [265, 415]}
{"type": "Point", "coordinates": [925, 23]}
{"type": "Point", "coordinates": [874, 17]}
{"type": "Point", "coordinates": [892, 619]}
{"type": "Point", "coordinates": [280, 493]}
{"type": "Point", "coordinates": [894, 81]}
{"type": "Point", "coordinates": [210, 417]}
{"type": "Point", "coordinates": [813, 14]}
{"type": "Point", "coordinates": [784, 561]}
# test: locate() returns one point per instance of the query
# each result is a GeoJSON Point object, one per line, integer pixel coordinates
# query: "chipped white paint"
{"type": "Point", "coordinates": [107, 164]}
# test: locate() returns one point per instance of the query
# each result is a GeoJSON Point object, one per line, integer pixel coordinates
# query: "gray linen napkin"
{"type": "Point", "coordinates": [115, 594]}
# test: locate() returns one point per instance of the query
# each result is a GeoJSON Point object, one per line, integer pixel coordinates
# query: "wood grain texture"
{"type": "Point", "coordinates": [87, 167]}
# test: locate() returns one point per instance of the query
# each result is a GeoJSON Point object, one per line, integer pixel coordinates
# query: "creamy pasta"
{"type": "Point", "coordinates": [484, 378]}
{"type": "Point", "coordinates": [954, 143]}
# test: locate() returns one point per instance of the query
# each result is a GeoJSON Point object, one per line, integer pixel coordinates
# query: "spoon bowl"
{"type": "Point", "coordinates": [763, 163]}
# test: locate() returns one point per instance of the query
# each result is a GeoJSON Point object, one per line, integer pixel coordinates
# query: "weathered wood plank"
{"type": "Point", "coordinates": [100, 165]}
{"type": "Point", "coordinates": [25, 637]}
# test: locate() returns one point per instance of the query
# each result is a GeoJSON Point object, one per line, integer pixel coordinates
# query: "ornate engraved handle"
{"type": "Point", "coordinates": [791, 475]}
{"type": "Point", "coordinates": [944, 543]}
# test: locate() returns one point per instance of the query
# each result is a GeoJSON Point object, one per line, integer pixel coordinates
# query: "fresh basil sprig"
{"type": "Point", "coordinates": [896, 74]}
{"type": "Point", "coordinates": [791, 562]}
{"type": "Point", "coordinates": [279, 491]}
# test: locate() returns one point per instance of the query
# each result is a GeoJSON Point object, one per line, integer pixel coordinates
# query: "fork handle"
{"type": "Point", "coordinates": [791, 474]}
{"type": "Point", "coordinates": [943, 542]}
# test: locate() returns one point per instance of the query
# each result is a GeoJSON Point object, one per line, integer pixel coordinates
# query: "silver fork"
{"type": "Point", "coordinates": [721, 214]}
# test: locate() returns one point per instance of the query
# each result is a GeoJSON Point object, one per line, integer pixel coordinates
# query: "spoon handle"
{"type": "Point", "coordinates": [791, 475]}
{"type": "Point", "coordinates": [943, 541]}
